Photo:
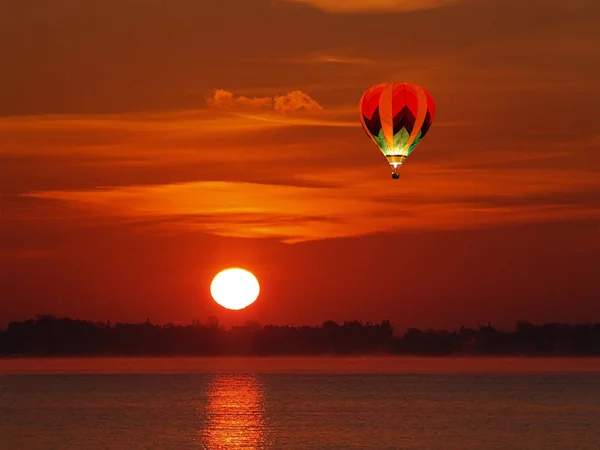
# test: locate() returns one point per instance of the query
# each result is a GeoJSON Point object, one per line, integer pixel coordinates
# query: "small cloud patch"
{"type": "Point", "coordinates": [291, 102]}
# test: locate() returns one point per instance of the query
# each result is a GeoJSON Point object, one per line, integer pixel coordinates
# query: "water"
{"type": "Point", "coordinates": [300, 403]}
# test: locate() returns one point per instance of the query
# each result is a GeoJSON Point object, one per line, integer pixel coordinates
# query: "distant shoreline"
{"type": "Point", "coordinates": [48, 336]}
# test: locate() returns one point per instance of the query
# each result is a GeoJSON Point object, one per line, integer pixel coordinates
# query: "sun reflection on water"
{"type": "Point", "coordinates": [234, 413]}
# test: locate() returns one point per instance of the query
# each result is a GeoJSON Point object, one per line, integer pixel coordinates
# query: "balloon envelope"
{"type": "Point", "coordinates": [396, 116]}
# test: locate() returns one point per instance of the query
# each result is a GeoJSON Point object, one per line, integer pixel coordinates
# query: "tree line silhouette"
{"type": "Point", "coordinates": [50, 336]}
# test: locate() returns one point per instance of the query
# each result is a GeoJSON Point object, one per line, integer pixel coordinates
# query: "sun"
{"type": "Point", "coordinates": [234, 288]}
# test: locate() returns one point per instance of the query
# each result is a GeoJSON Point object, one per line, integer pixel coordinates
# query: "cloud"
{"type": "Point", "coordinates": [303, 121]}
{"type": "Point", "coordinates": [352, 6]}
{"type": "Point", "coordinates": [326, 58]}
{"type": "Point", "coordinates": [331, 59]}
{"type": "Point", "coordinates": [295, 101]}
{"type": "Point", "coordinates": [349, 202]}
{"type": "Point", "coordinates": [62, 152]}
{"type": "Point", "coordinates": [291, 102]}
{"type": "Point", "coordinates": [225, 99]}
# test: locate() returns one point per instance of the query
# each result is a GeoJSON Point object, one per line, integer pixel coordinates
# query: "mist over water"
{"type": "Point", "coordinates": [299, 403]}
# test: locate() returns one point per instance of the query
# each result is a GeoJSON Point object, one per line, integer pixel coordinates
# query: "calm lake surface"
{"type": "Point", "coordinates": [300, 403]}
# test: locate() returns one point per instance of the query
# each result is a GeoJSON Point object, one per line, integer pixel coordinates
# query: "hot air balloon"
{"type": "Point", "coordinates": [396, 116]}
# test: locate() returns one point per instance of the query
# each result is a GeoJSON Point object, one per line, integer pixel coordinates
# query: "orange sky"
{"type": "Point", "coordinates": [145, 145]}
